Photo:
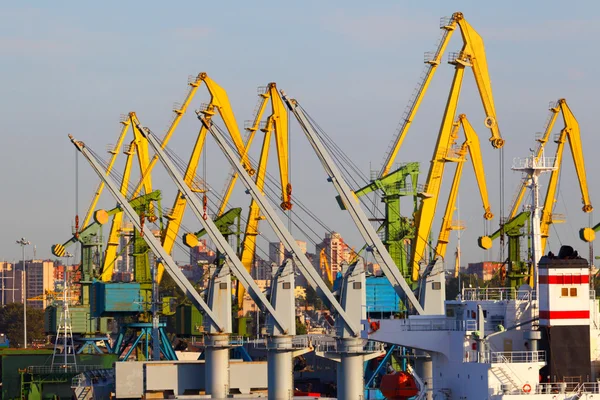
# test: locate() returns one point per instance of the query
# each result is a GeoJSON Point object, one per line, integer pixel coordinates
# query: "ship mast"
{"type": "Point", "coordinates": [534, 167]}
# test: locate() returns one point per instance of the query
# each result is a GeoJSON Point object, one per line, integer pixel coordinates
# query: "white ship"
{"type": "Point", "coordinates": [500, 343]}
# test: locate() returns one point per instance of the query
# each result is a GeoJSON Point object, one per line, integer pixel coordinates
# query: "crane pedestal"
{"type": "Point", "coordinates": [280, 369]}
{"type": "Point", "coordinates": [350, 373]}
{"type": "Point", "coordinates": [350, 355]}
{"type": "Point", "coordinates": [217, 365]}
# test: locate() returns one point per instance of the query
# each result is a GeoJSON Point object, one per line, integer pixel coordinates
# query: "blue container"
{"type": "Point", "coordinates": [111, 298]}
{"type": "Point", "coordinates": [381, 296]}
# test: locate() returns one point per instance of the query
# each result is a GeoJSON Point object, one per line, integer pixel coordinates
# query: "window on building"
{"type": "Point", "coordinates": [573, 292]}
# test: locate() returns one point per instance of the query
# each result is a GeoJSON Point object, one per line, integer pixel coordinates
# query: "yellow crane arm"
{"type": "Point", "coordinates": [474, 147]}
{"type": "Point", "coordinates": [324, 266]}
{"type": "Point", "coordinates": [554, 109]}
{"type": "Point", "coordinates": [475, 51]}
{"type": "Point", "coordinates": [175, 216]}
{"type": "Point", "coordinates": [112, 245]}
{"type": "Point", "coordinates": [277, 123]}
{"type": "Point", "coordinates": [569, 133]}
{"type": "Point", "coordinates": [143, 154]}
{"type": "Point", "coordinates": [573, 134]}
{"type": "Point", "coordinates": [179, 112]}
{"type": "Point", "coordinates": [280, 121]}
{"type": "Point", "coordinates": [414, 103]}
{"type": "Point", "coordinates": [252, 133]}
{"type": "Point", "coordinates": [471, 145]}
{"type": "Point", "coordinates": [114, 151]}
{"type": "Point", "coordinates": [546, 217]}
{"type": "Point", "coordinates": [425, 213]}
{"type": "Point", "coordinates": [220, 100]}
{"type": "Point", "coordinates": [447, 225]}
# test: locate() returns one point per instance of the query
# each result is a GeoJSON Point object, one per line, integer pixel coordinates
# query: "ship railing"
{"type": "Point", "coordinates": [479, 294]}
{"type": "Point", "coordinates": [506, 357]}
{"type": "Point", "coordinates": [370, 346]}
{"type": "Point", "coordinates": [61, 369]}
{"type": "Point", "coordinates": [587, 387]}
{"type": "Point", "coordinates": [417, 323]}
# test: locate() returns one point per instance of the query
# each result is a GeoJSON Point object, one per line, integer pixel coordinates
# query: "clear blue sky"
{"type": "Point", "coordinates": [74, 67]}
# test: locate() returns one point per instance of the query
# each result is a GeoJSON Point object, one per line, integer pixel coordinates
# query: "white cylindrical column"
{"type": "Point", "coordinates": [350, 372]}
{"type": "Point", "coordinates": [216, 366]}
{"type": "Point", "coordinates": [280, 369]}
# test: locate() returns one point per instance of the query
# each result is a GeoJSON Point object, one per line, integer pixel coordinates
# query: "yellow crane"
{"type": "Point", "coordinates": [219, 103]}
{"type": "Point", "coordinates": [472, 146]}
{"type": "Point", "coordinates": [571, 134]}
{"type": "Point", "coordinates": [430, 195]}
{"type": "Point", "coordinates": [324, 266]}
{"type": "Point", "coordinates": [472, 54]}
{"type": "Point", "coordinates": [139, 147]}
{"type": "Point", "coordinates": [276, 123]}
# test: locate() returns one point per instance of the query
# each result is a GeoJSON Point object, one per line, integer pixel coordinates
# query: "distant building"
{"type": "Point", "coordinates": [261, 270]}
{"type": "Point", "coordinates": [336, 251]}
{"type": "Point", "coordinates": [278, 254]}
{"type": "Point", "coordinates": [484, 270]}
{"type": "Point", "coordinates": [11, 284]}
{"type": "Point", "coordinates": [39, 277]}
{"type": "Point", "coordinates": [202, 254]}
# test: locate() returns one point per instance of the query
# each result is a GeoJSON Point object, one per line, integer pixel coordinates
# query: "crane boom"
{"type": "Point", "coordinates": [471, 144]}
{"type": "Point", "coordinates": [177, 275]}
{"type": "Point", "coordinates": [308, 270]}
{"type": "Point", "coordinates": [215, 235]}
{"type": "Point", "coordinates": [352, 204]}
{"type": "Point", "coordinates": [569, 133]}
{"type": "Point", "coordinates": [473, 50]}
{"type": "Point", "coordinates": [125, 122]}
{"type": "Point", "coordinates": [554, 110]}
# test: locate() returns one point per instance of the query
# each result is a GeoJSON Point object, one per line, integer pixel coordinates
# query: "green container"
{"type": "Point", "coordinates": [81, 321]}
{"type": "Point", "coordinates": [188, 321]}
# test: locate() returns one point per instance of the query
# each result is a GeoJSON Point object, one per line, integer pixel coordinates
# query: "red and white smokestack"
{"type": "Point", "coordinates": [564, 292]}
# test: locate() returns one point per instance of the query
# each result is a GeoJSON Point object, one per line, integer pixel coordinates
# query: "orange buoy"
{"type": "Point", "coordinates": [398, 386]}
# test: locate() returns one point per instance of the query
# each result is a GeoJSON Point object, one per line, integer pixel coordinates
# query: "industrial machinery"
{"type": "Point", "coordinates": [398, 230]}
{"type": "Point", "coordinates": [471, 55]}
{"type": "Point", "coordinates": [569, 133]}
{"type": "Point", "coordinates": [349, 350]}
{"type": "Point", "coordinates": [517, 270]}
{"type": "Point", "coordinates": [277, 124]}
{"type": "Point", "coordinates": [471, 144]}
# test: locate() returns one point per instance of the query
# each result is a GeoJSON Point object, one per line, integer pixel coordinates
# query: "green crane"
{"type": "Point", "coordinates": [518, 269]}
{"type": "Point", "coordinates": [397, 228]}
